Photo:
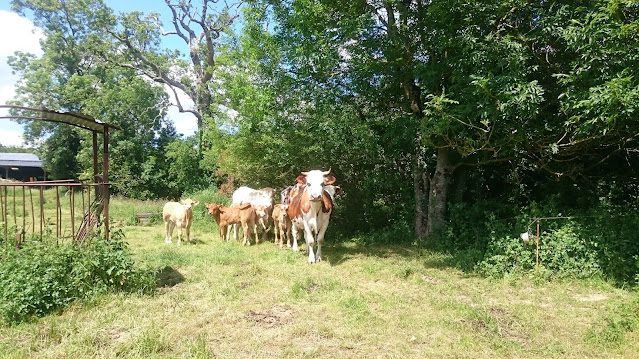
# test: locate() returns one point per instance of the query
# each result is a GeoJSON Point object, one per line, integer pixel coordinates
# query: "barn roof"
{"type": "Point", "coordinates": [19, 160]}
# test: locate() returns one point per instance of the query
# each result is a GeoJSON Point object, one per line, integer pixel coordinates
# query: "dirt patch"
{"type": "Point", "coordinates": [274, 317]}
{"type": "Point", "coordinates": [430, 280]}
{"type": "Point", "coordinates": [507, 326]}
{"type": "Point", "coordinates": [117, 334]}
{"type": "Point", "coordinates": [498, 322]}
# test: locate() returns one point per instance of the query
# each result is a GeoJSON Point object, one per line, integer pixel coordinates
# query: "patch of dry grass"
{"type": "Point", "coordinates": [219, 299]}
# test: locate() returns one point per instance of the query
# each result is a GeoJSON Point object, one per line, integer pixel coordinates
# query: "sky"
{"type": "Point", "coordinates": [25, 37]}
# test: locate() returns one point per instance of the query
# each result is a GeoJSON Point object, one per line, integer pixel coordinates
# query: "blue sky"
{"type": "Point", "coordinates": [25, 38]}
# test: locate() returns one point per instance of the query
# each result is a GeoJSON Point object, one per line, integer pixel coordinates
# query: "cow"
{"type": "Point", "coordinates": [281, 225]}
{"type": "Point", "coordinates": [334, 191]}
{"type": "Point", "coordinates": [226, 216]}
{"type": "Point", "coordinates": [310, 209]}
{"type": "Point", "coordinates": [178, 214]}
{"type": "Point", "coordinates": [261, 200]}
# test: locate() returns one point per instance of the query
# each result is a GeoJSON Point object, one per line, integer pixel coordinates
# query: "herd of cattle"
{"type": "Point", "coordinates": [307, 206]}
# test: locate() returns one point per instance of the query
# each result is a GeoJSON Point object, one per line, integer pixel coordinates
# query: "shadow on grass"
{"type": "Point", "coordinates": [338, 253]}
{"type": "Point", "coordinates": [195, 241]}
{"type": "Point", "coordinates": [168, 277]}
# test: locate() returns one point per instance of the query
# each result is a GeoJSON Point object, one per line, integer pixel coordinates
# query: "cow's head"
{"type": "Point", "coordinates": [189, 203]}
{"type": "Point", "coordinates": [213, 208]}
{"type": "Point", "coordinates": [315, 181]}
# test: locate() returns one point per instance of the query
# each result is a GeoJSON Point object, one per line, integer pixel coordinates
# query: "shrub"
{"type": "Point", "coordinates": [42, 277]}
{"type": "Point", "coordinates": [600, 242]}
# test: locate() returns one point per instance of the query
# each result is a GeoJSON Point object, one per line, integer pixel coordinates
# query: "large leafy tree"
{"type": "Point", "coordinates": [528, 84]}
{"type": "Point", "coordinates": [72, 76]}
{"type": "Point", "coordinates": [200, 27]}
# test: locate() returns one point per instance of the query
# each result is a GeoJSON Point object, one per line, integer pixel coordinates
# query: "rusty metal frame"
{"type": "Point", "coordinates": [100, 182]}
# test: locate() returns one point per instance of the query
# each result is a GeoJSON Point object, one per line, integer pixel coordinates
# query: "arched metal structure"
{"type": "Point", "coordinates": [96, 209]}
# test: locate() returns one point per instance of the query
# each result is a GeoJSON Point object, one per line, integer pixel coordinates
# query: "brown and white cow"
{"type": "Point", "coordinates": [178, 214]}
{"type": "Point", "coordinates": [310, 209]}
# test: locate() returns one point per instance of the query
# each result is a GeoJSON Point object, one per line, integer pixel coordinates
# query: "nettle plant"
{"type": "Point", "coordinates": [42, 277]}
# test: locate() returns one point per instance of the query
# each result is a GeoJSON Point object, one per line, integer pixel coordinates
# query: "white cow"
{"type": "Point", "coordinates": [178, 214]}
{"type": "Point", "coordinates": [261, 200]}
{"type": "Point", "coordinates": [310, 209]}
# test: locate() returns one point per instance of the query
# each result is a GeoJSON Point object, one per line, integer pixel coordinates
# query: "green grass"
{"type": "Point", "coordinates": [220, 299]}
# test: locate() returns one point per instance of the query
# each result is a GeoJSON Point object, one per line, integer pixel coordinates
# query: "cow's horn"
{"type": "Point", "coordinates": [325, 173]}
{"type": "Point", "coordinates": [304, 173]}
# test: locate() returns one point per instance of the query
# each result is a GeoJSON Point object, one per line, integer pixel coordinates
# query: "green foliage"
{"type": "Point", "coordinates": [597, 243]}
{"type": "Point", "coordinates": [568, 251]}
{"type": "Point", "coordinates": [504, 254]}
{"type": "Point", "coordinates": [610, 331]}
{"type": "Point", "coordinates": [43, 277]}
{"type": "Point", "coordinates": [183, 166]}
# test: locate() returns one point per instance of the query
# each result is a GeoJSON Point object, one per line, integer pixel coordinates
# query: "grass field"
{"type": "Point", "coordinates": [223, 300]}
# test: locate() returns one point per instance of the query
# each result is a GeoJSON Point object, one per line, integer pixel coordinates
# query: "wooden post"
{"type": "Point", "coordinates": [105, 178]}
{"type": "Point", "coordinates": [32, 213]}
{"type": "Point", "coordinates": [72, 212]}
{"type": "Point", "coordinates": [41, 211]}
{"type": "Point", "coordinates": [57, 212]}
{"type": "Point", "coordinates": [24, 211]}
{"type": "Point", "coordinates": [15, 214]}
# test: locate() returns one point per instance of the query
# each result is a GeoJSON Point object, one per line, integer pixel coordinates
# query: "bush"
{"type": "Point", "coordinates": [42, 277]}
{"type": "Point", "coordinates": [601, 242]}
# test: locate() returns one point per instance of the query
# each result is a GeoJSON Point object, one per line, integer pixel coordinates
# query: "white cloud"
{"type": "Point", "coordinates": [11, 137]}
{"type": "Point", "coordinates": [185, 122]}
{"type": "Point", "coordinates": [19, 34]}
{"type": "Point", "coordinates": [25, 36]}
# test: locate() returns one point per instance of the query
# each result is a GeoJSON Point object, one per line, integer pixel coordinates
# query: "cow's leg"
{"type": "Point", "coordinates": [245, 235]}
{"type": "Point", "coordinates": [294, 233]}
{"type": "Point", "coordinates": [179, 234]}
{"type": "Point", "coordinates": [320, 239]}
{"type": "Point", "coordinates": [308, 236]}
{"type": "Point", "coordinates": [171, 229]}
{"type": "Point", "coordinates": [167, 231]}
{"type": "Point", "coordinates": [188, 233]}
{"type": "Point", "coordinates": [264, 222]}
{"type": "Point", "coordinates": [255, 234]}
{"type": "Point", "coordinates": [223, 233]}
{"type": "Point", "coordinates": [288, 236]}
{"type": "Point", "coordinates": [276, 240]}
{"type": "Point", "coordinates": [235, 226]}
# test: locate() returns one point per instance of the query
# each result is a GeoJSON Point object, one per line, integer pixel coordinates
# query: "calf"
{"type": "Point", "coordinates": [226, 216]}
{"type": "Point", "coordinates": [261, 200]}
{"type": "Point", "coordinates": [178, 214]}
{"type": "Point", "coordinates": [281, 225]}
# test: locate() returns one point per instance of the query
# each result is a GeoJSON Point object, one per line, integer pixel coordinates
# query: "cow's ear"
{"type": "Point", "coordinates": [195, 203]}
{"type": "Point", "coordinates": [301, 179]}
{"type": "Point", "coordinates": [329, 180]}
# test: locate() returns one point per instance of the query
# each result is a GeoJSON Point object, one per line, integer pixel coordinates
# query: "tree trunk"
{"type": "Point", "coordinates": [438, 196]}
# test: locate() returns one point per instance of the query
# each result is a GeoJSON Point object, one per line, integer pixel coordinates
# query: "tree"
{"type": "Point", "coordinates": [72, 76]}
{"type": "Point", "coordinates": [201, 28]}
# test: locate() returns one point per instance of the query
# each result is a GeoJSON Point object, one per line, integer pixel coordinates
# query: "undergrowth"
{"type": "Point", "coordinates": [43, 277]}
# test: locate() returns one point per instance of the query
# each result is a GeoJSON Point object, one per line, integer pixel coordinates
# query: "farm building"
{"type": "Point", "coordinates": [21, 166]}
